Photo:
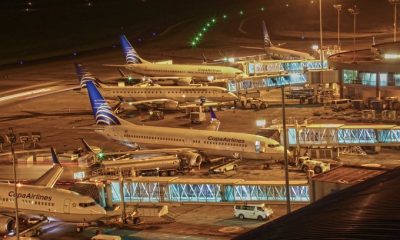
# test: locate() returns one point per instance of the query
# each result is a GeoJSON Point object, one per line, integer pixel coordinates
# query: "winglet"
{"type": "Point", "coordinates": [267, 39]}
{"type": "Point", "coordinates": [212, 113]}
{"type": "Point", "coordinates": [54, 157]}
{"type": "Point", "coordinates": [121, 72]}
{"type": "Point", "coordinates": [86, 145]}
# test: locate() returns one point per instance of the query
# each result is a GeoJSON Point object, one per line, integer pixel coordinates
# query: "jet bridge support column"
{"type": "Point", "coordinates": [109, 202]}
{"type": "Point", "coordinates": [102, 197]}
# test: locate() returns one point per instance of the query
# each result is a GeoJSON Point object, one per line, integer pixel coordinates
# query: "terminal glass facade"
{"type": "Point", "coordinates": [349, 76]}
{"type": "Point", "coordinates": [134, 192]}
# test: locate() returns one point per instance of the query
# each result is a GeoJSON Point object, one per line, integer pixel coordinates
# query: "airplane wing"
{"type": "Point", "coordinates": [49, 178]}
{"type": "Point", "coordinates": [152, 102]}
{"type": "Point", "coordinates": [152, 151]}
{"type": "Point", "coordinates": [251, 47]}
{"type": "Point", "coordinates": [206, 104]}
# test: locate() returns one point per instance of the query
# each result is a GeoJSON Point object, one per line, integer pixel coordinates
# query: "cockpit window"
{"type": "Point", "coordinates": [87, 204]}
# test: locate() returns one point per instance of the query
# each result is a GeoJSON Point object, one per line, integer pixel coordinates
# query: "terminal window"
{"type": "Point", "coordinates": [349, 76]}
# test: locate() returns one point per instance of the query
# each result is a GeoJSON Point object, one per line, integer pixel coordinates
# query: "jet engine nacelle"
{"type": "Point", "coordinates": [185, 81]}
{"type": "Point", "coordinates": [6, 224]}
{"type": "Point", "coordinates": [171, 105]}
{"type": "Point", "coordinates": [194, 159]}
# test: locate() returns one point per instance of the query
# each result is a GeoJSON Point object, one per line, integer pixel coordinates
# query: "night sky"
{"type": "Point", "coordinates": [64, 26]}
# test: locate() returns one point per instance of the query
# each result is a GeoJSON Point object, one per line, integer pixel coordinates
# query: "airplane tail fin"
{"type": "Point", "coordinates": [49, 178]}
{"type": "Point", "coordinates": [84, 76]}
{"type": "Point", "coordinates": [102, 112]}
{"type": "Point", "coordinates": [267, 39]}
{"type": "Point", "coordinates": [131, 56]}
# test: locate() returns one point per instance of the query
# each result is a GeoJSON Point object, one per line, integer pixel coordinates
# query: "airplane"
{"type": "Point", "coordinates": [200, 72]}
{"type": "Point", "coordinates": [166, 97]}
{"type": "Point", "coordinates": [203, 142]}
{"type": "Point", "coordinates": [41, 200]}
{"type": "Point", "coordinates": [276, 52]}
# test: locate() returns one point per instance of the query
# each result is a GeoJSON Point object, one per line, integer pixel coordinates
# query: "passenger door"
{"type": "Point", "coordinates": [67, 203]}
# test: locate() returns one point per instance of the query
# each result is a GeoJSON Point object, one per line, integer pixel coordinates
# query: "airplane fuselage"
{"type": "Point", "coordinates": [287, 54]}
{"type": "Point", "coordinates": [181, 94]}
{"type": "Point", "coordinates": [55, 203]}
{"type": "Point", "coordinates": [198, 72]}
{"type": "Point", "coordinates": [212, 143]}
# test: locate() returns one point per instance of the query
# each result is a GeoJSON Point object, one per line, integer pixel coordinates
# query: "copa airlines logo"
{"type": "Point", "coordinates": [225, 139]}
{"type": "Point", "coordinates": [32, 196]}
{"type": "Point", "coordinates": [131, 55]}
{"type": "Point", "coordinates": [104, 114]}
{"type": "Point", "coordinates": [84, 76]}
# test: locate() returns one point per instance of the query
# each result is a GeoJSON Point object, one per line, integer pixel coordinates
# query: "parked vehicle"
{"type": "Point", "coordinates": [155, 165]}
{"type": "Point", "coordinates": [105, 237]}
{"type": "Point", "coordinates": [340, 104]}
{"type": "Point", "coordinates": [306, 163]}
{"type": "Point", "coordinates": [257, 211]}
{"type": "Point", "coordinates": [223, 167]}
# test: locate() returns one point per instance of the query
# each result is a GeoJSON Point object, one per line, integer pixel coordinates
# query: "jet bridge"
{"type": "Point", "coordinates": [176, 190]}
{"type": "Point", "coordinates": [338, 135]}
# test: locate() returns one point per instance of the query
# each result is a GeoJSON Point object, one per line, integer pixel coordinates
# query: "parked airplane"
{"type": "Point", "coordinates": [43, 201]}
{"type": "Point", "coordinates": [166, 97]}
{"type": "Point", "coordinates": [200, 72]}
{"type": "Point", "coordinates": [203, 142]}
{"type": "Point", "coordinates": [276, 52]}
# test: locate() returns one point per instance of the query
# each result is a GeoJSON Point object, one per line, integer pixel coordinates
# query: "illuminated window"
{"type": "Point", "coordinates": [349, 76]}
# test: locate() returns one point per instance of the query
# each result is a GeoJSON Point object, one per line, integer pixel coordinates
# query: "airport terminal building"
{"type": "Point", "coordinates": [369, 73]}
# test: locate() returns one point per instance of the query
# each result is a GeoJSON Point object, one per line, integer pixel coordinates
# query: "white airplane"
{"type": "Point", "coordinates": [276, 52]}
{"type": "Point", "coordinates": [203, 142]}
{"type": "Point", "coordinates": [200, 72]}
{"type": "Point", "coordinates": [43, 201]}
{"type": "Point", "coordinates": [166, 97]}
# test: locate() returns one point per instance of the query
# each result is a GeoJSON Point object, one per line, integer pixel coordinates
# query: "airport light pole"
{"type": "Point", "coordinates": [354, 11]}
{"type": "Point", "coordinates": [338, 7]}
{"type": "Point", "coordinates": [394, 3]}
{"type": "Point", "coordinates": [285, 155]}
{"type": "Point", "coordinates": [321, 41]}
{"type": "Point", "coordinates": [13, 139]}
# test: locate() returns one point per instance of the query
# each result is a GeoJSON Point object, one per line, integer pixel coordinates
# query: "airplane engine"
{"type": "Point", "coordinates": [195, 159]}
{"type": "Point", "coordinates": [184, 81]}
{"type": "Point", "coordinates": [171, 105]}
{"type": "Point", "coordinates": [6, 224]}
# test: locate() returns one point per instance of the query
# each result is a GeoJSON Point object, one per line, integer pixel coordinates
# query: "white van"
{"type": "Point", "coordinates": [340, 104]}
{"type": "Point", "coordinates": [259, 211]}
{"type": "Point", "coordinates": [105, 237]}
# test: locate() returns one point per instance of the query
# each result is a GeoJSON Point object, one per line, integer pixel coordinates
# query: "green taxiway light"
{"type": "Point", "coordinates": [197, 38]}
{"type": "Point", "coordinates": [213, 20]}
{"type": "Point", "coordinates": [193, 43]}
{"type": "Point", "coordinates": [208, 24]}
{"type": "Point", "coordinates": [101, 155]}
{"type": "Point", "coordinates": [200, 34]}
{"type": "Point", "coordinates": [204, 29]}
